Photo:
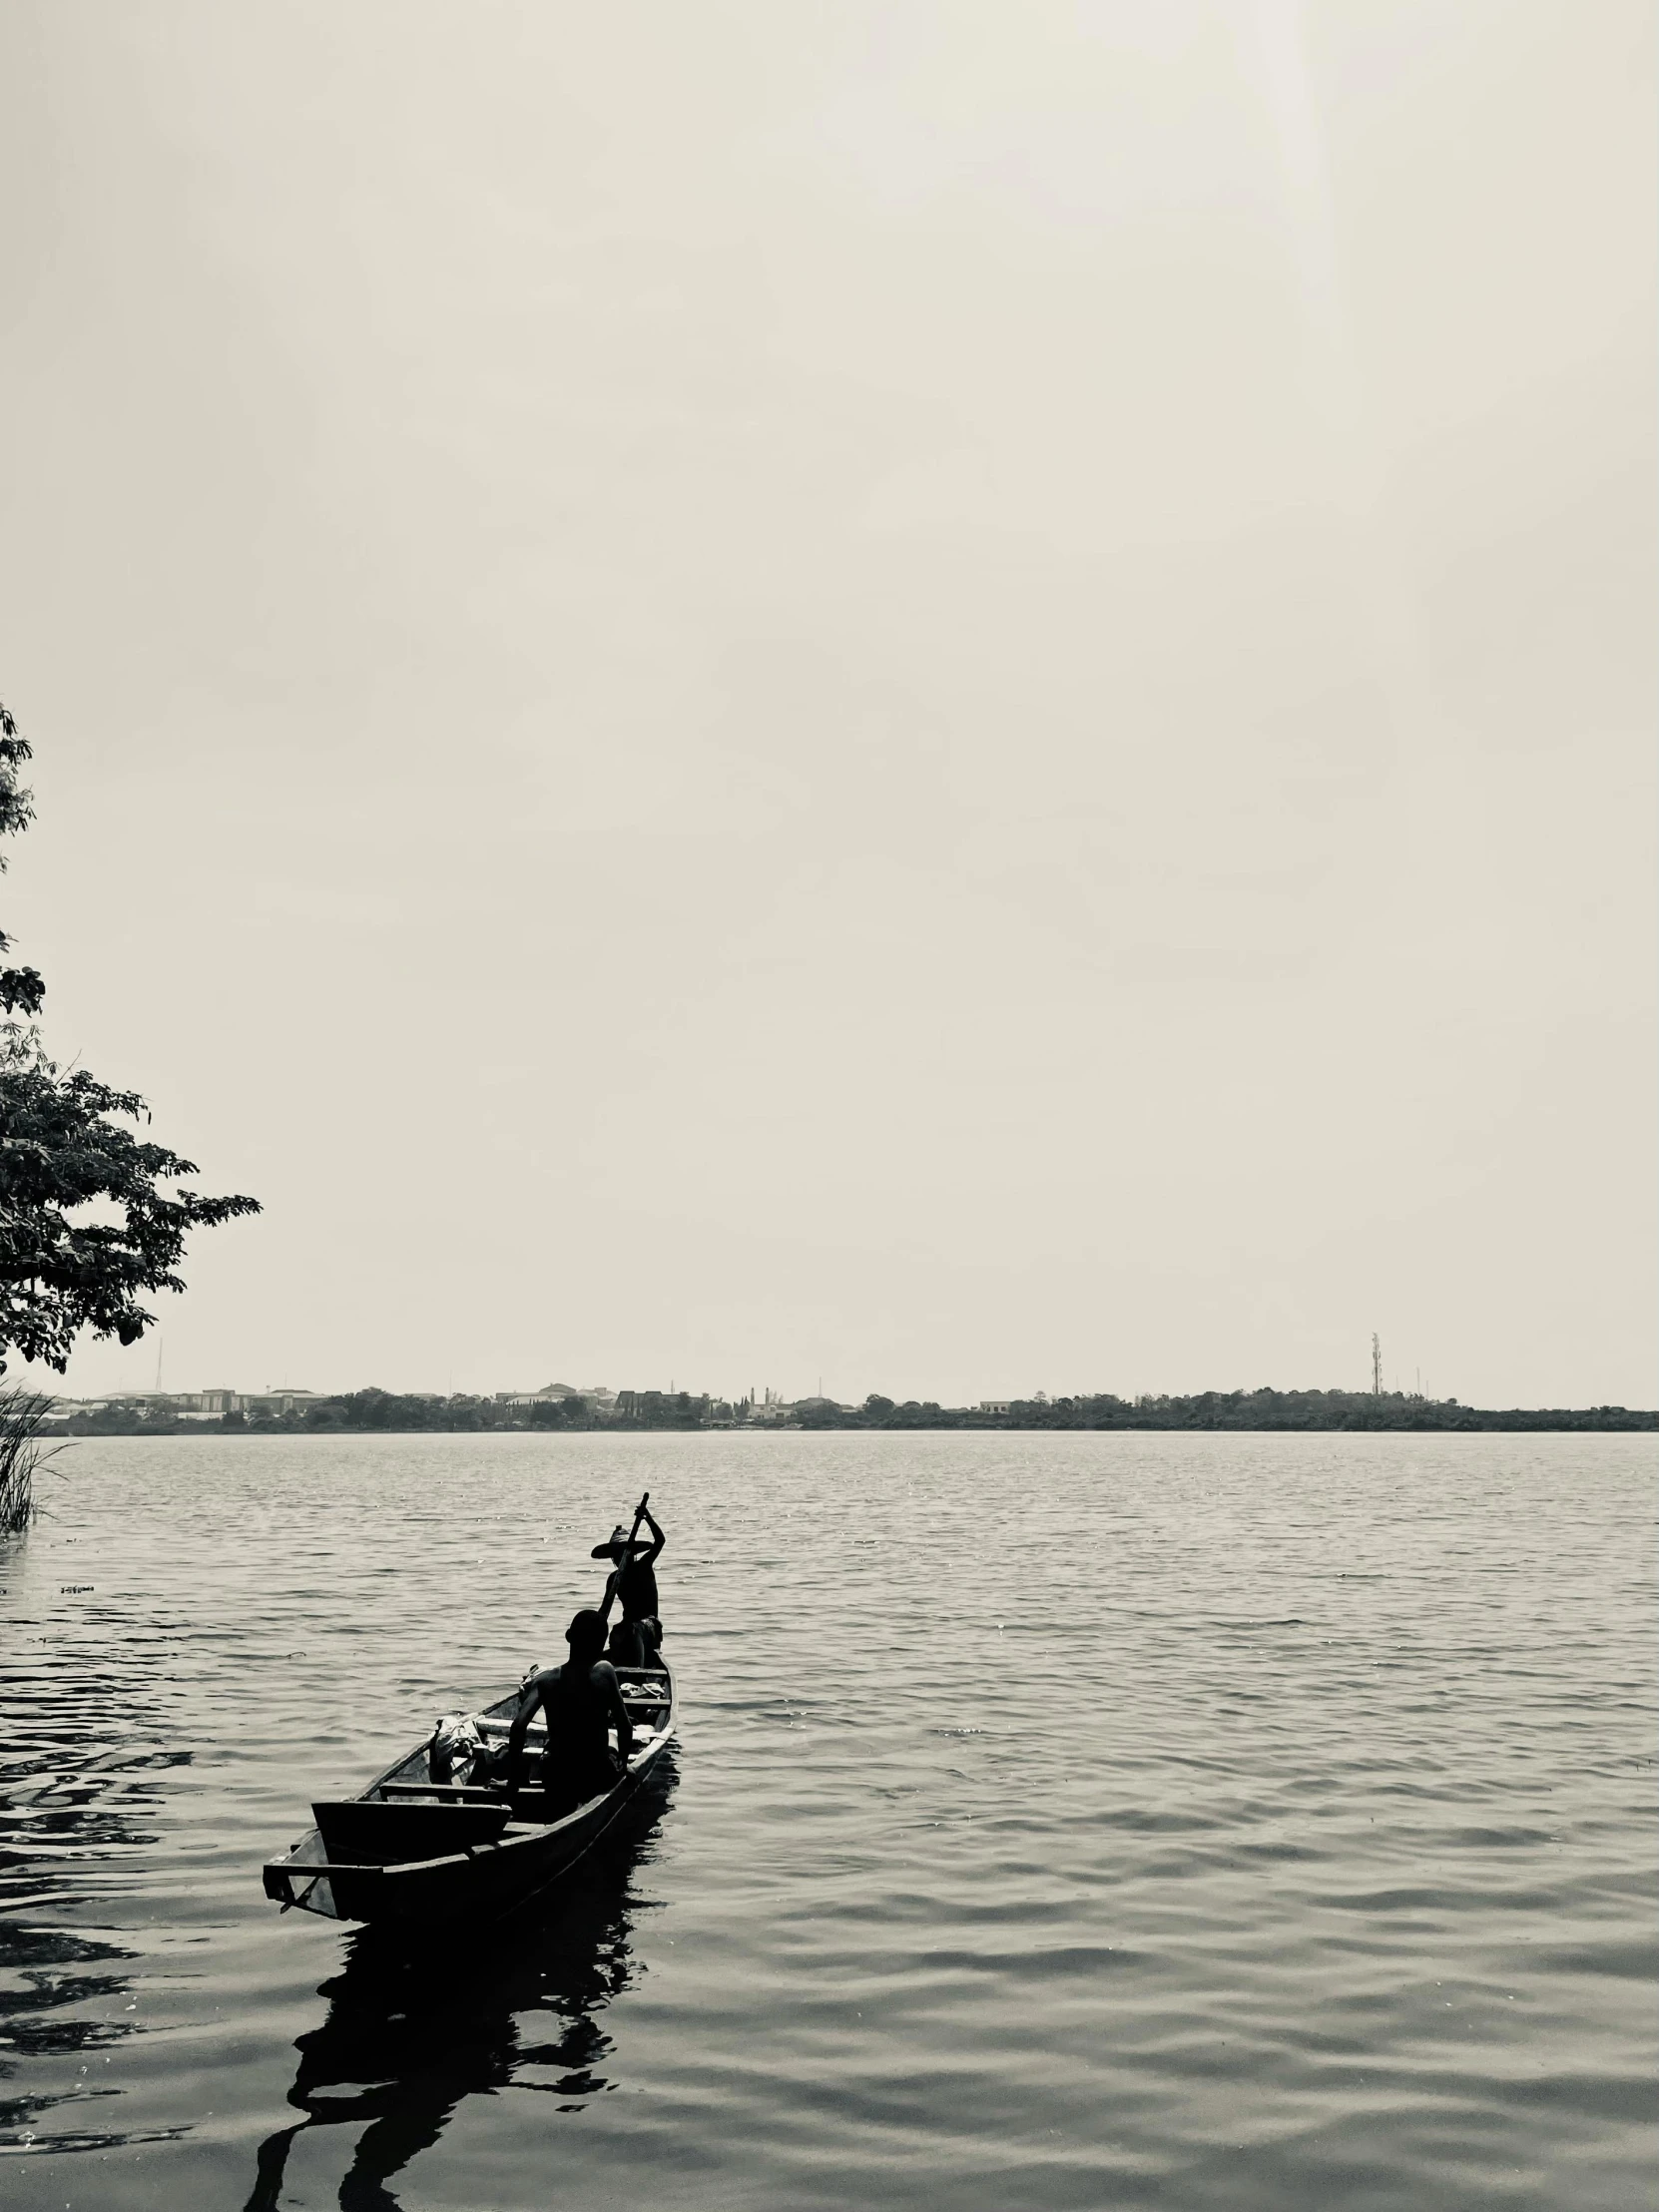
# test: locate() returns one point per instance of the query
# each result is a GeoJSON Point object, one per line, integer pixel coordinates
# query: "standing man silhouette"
{"type": "Point", "coordinates": [632, 1584]}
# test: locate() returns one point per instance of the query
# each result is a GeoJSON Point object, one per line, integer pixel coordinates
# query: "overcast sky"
{"type": "Point", "coordinates": [957, 697]}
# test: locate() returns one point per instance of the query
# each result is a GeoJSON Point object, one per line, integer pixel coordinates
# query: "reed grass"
{"type": "Point", "coordinates": [21, 1452]}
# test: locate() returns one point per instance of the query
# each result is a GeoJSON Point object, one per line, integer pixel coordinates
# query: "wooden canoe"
{"type": "Point", "coordinates": [408, 1849]}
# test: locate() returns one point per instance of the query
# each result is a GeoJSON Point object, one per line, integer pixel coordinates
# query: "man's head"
{"type": "Point", "coordinates": [586, 1636]}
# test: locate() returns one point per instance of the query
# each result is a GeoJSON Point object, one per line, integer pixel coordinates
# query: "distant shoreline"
{"type": "Point", "coordinates": [1264, 1413]}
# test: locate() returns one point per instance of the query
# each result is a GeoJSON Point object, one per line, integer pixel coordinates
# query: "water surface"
{"type": "Point", "coordinates": [1232, 1823]}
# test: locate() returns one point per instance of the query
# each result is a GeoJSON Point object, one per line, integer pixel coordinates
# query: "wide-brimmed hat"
{"type": "Point", "coordinates": [617, 1543]}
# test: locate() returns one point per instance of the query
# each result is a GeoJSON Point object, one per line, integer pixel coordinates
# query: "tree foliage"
{"type": "Point", "coordinates": [21, 989]}
{"type": "Point", "coordinates": [93, 1219]}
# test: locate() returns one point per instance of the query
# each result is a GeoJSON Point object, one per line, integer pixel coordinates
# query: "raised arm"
{"type": "Point", "coordinates": [647, 1556]}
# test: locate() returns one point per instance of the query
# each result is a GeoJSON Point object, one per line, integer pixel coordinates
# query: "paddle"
{"type": "Point", "coordinates": [609, 1593]}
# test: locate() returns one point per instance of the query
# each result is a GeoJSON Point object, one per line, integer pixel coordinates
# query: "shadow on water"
{"type": "Point", "coordinates": [38, 2022]}
{"type": "Point", "coordinates": [417, 2025]}
{"type": "Point", "coordinates": [82, 1769]}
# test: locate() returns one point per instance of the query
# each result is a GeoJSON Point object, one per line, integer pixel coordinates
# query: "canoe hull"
{"type": "Point", "coordinates": [485, 1882]}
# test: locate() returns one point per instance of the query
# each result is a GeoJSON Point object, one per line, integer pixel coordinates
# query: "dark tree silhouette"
{"type": "Point", "coordinates": [91, 1218]}
{"type": "Point", "coordinates": [21, 989]}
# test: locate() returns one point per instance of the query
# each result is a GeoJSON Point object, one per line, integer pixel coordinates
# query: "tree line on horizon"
{"type": "Point", "coordinates": [1263, 1409]}
{"type": "Point", "coordinates": [379, 1412]}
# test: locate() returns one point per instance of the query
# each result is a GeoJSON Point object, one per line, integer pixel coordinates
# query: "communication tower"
{"type": "Point", "coordinates": [1375, 1365]}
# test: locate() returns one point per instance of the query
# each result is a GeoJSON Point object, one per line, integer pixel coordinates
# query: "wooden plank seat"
{"type": "Point", "coordinates": [361, 1832]}
{"type": "Point", "coordinates": [460, 1793]}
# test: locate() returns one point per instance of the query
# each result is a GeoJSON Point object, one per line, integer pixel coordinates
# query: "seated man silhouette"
{"type": "Point", "coordinates": [581, 1700]}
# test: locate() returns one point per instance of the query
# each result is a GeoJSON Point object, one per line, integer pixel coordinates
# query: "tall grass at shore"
{"type": "Point", "coordinates": [21, 1414]}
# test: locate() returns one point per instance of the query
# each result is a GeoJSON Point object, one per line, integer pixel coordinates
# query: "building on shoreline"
{"type": "Point", "coordinates": [193, 1405]}
{"type": "Point", "coordinates": [596, 1397]}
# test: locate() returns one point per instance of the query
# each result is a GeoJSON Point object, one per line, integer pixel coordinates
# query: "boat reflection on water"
{"type": "Point", "coordinates": [417, 2025]}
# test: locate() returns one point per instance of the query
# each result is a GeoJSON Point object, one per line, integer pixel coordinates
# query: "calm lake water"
{"type": "Point", "coordinates": [1113, 1820]}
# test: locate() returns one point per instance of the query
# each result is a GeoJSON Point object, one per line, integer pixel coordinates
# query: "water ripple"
{"type": "Point", "coordinates": [1288, 1847]}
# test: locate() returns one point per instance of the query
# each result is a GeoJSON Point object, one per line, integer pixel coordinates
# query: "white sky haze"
{"type": "Point", "coordinates": [956, 697]}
